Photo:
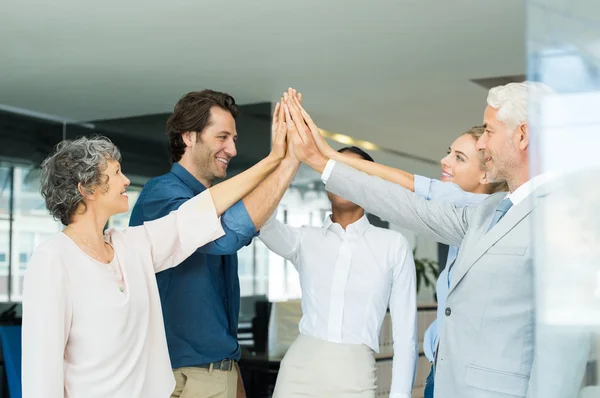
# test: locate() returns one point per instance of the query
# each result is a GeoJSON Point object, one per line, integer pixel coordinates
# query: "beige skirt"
{"type": "Point", "coordinates": [321, 369]}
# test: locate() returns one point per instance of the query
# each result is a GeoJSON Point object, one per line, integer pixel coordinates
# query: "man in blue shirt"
{"type": "Point", "coordinates": [201, 297]}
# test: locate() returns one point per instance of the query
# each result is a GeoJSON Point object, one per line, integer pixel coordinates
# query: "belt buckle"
{"type": "Point", "coordinates": [227, 368]}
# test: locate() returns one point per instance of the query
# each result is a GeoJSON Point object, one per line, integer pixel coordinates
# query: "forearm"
{"type": "Point", "coordinates": [442, 222]}
{"type": "Point", "coordinates": [261, 202]}
{"type": "Point", "coordinates": [228, 192]}
{"type": "Point", "coordinates": [401, 177]}
{"type": "Point", "coordinates": [403, 309]}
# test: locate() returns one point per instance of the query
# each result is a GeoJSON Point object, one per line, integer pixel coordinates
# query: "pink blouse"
{"type": "Point", "coordinates": [82, 336]}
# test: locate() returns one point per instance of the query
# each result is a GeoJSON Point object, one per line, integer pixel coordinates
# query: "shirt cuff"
{"type": "Point", "coordinates": [422, 186]}
{"type": "Point", "coordinates": [327, 172]}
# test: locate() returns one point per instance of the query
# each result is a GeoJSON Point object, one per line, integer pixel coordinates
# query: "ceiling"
{"type": "Point", "coordinates": [393, 72]}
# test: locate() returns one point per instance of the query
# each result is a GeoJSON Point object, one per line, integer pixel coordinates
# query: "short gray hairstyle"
{"type": "Point", "coordinates": [80, 161]}
{"type": "Point", "coordinates": [512, 100]}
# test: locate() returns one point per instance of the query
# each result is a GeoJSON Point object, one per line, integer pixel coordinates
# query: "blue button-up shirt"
{"type": "Point", "coordinates": [449, 193]}
{"type": "Point", "coordinates": [200, 297]}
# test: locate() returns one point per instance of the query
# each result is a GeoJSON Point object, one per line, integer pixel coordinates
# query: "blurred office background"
{"type": "Point", "coordinates": [401, 79]}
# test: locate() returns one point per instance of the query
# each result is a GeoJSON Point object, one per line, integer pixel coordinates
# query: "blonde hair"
{"type": "Point", "coordinates": [476, 132]}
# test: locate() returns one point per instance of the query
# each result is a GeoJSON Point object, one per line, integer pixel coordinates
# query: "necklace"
{"type": "Point", "coordinates": [118, 277]}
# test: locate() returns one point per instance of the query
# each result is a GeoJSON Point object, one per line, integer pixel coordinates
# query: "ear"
{"type": "Point", "coordinates": [86, 193]}
{"type": "Point", "coordinates": [522, 135]}
{"type": "Point", "coordinates": [483, 180]}
{"type": "Point", "coordinates": [189, 138]}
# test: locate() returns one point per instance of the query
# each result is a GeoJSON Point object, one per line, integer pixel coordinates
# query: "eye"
{"type": "Point", "coordinates": [489, 132]}
{"type": "Point", "coordinates": [460, 158]}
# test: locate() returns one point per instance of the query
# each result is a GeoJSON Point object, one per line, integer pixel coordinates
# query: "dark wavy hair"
{"type": "Point", "coordinates": [192, 113]}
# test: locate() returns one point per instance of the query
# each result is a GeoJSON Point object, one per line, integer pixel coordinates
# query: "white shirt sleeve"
{"type": "Point", "coordinates": [281, 239]}
{"type": "Point", "coordinates": [47, 316]}
{"type": "Point", "coordinates": [403, 310]}
{"type": "Point", "coordinates": [327, 171]}
{"type": "Point", "coordinates": [174, 237]}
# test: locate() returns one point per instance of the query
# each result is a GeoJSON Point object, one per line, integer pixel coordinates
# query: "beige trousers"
{"type": "Point", "coordinates": [321, 369]}
{"type": "Point", "coordinates": [192, 382]}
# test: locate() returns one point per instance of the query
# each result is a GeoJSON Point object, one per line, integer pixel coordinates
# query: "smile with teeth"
{"type": "Point", "coordinates": [445, 174]}
{"type": "Point", "coordinates": [223, 160]}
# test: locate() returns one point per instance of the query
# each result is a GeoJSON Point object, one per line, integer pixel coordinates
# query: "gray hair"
{"type": "Point", "coordinates": [80, 161]}
{"type": "Point", "coordinates": [512, 100]}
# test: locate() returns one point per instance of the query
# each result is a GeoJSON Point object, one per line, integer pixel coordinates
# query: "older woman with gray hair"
{"type": "Point", "coordinates": [92, 320]}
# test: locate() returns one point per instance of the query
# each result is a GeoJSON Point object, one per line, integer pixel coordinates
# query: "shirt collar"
{"type": "Point", "coordinates": [187, 178]}
{"type": "Point", "coordinates": [359, 227]}
{"type": "Point", "coordinates": [527, 188]}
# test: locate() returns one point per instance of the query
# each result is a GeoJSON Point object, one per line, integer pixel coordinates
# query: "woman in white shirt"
{"type": "Point", "coordinates": [92, 321]}
{"type": "Point", "coordinates": [350, 272]}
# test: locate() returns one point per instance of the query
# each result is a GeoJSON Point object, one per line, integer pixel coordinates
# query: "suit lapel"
{"type": "Point", "coordinates": [488, 239]}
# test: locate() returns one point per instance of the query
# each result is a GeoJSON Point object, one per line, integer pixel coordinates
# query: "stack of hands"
{"type": "Point", "coordinates": [296, 137]}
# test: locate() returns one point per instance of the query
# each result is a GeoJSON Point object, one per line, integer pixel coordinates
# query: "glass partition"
{"type": "Point", "coordinates": [563, 42]}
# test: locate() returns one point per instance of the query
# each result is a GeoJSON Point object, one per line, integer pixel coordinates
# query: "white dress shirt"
{"type": "Point", "coordinates": [348, 279]}
{"type": "Point", "coordinates": [82, 336]}
{"type": "Point", "coordinates": [527, 188]}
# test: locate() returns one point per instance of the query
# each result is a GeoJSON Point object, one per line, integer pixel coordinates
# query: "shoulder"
{"type": "Point", "coordinates": [390, 237]}
{"type": "Point", "coordinates": [165, 185]}
{"type": "Point", "coordinates": [493, 199]}
{"type": "Point", "coordinates": [47, 256]}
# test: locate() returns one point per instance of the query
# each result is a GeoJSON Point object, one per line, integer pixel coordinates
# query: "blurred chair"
{"type": "Point", "coordinates": [11, 350]}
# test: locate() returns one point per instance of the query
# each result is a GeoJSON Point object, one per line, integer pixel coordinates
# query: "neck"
{"type": "Point", "coordinates": [520, 178]}
{"type": "Point", "coordinates": [345, 217]}
{"type": "Point", "coordinates": [90, 225]}
{"type": "Point", "coordinates": [481, 189]}
{"type": "Point", "coordinates": [187, 164]}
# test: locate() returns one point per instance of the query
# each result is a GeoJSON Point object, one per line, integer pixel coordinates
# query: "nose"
{"type": "Point", "coordinates": [230, 149]}
{"type": "Point", "coordinates": [444, 160]}
{"type": "Point", "coordinates": [127, 181]}
{"type": "Point", "coordinates": [480, 145]}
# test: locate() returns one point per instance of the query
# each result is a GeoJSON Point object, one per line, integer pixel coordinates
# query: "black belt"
{"type": "Point", "coordinates": [225, 365]}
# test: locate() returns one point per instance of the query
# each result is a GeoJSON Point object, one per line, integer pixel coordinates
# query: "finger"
{"type": "Point", "coordinates": [293, 135]}
{"type": "Point", "coordinates": [299, 97]}
{"type": "Point", "coordinates": [280, 116]}
{"type": "Point", "coordinates": [280, 136]}
{"type": "Point", "coordinates": [298, 120]}
{"type": "Point", "coordinates": [276, 114]}
{"type": "Point", "coordinates": [309, 122]}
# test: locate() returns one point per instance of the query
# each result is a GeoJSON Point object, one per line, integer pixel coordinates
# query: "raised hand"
{"type": "Point", "coordinates": [302, 142]}
{"type": "Point", "coordinates": [323, 146]}
{"type": "Point", "coordinates": [278, 133]}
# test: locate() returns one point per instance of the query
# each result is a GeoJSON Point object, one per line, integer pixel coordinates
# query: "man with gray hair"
{"type": "Point", "coordinates": [488, 346]}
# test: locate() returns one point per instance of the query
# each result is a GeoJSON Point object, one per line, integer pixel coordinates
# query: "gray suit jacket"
{"type": "Point", "coordinates": [488, 343]}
